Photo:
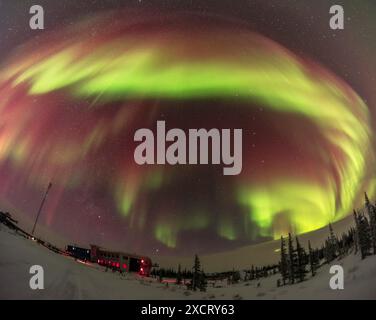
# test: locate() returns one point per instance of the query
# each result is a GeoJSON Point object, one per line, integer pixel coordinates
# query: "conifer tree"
{"type": "Point", "coordinates": [292, 260]}
{"type": "Point", "coordinates": [301, 261]}
{"type": "Point", "coordinates": [235, 277]}
{"type": "Point", "coordinates": [312, 260]}
{"type": "Point", "coordinates": [179, 275]}
{"type": "Point", "coordinates": [196, 273]}
{"type": "Point", "coordinates": [364, 236]}
{"type": "Point", "coordinates": [356, 235]}
{"type": "Point", "coordinates": [284, 266]}
{"type": "Point", "coordinates": [371, 211]}
{"type": "Point", "coordinates": [333, 241]}
{"type": "Point", "coordinates": [329, 250]}
{"type": "Point", "coordinates": [252, 275]}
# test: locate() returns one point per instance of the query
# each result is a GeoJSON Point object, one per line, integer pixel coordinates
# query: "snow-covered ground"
{"type": "Point", "coordinates": [69, 279]}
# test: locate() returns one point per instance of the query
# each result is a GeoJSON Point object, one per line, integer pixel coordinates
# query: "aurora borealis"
{"type": "Point", "coordinates": [73, 98]}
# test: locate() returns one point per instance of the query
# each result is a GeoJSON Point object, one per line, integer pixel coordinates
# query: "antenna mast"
{"type": "Point", "coordinates": [41, 206]}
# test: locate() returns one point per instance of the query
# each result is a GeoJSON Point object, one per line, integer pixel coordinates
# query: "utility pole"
{"type": "Point", "coordinates": [41, 206]}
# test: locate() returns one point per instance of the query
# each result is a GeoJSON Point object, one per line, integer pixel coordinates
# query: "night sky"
{"type": "Point", "coordinates": [73, 95]}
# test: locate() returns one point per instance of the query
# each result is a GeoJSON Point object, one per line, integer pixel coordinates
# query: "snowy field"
{"type": "Point", "coordinates": [69, 279]}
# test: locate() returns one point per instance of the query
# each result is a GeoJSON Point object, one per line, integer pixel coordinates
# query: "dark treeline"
{"type": "Point", "coordinates": [194, 279]}
{"type": "Point", "coordinates": [162, 273]}
{"type": "Point", "coordinates": [296, 263]}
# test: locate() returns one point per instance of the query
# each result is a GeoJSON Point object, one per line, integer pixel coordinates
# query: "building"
{"type": "Point", "coordinates": [120, 261]}
{"type": "Point", "coordinates": [78, 253]}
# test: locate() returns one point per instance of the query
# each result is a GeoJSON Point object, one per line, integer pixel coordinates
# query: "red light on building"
{"type": "Point", "coordinates": [124, 266]}
{"type": "Point", "coordinates": [118, 265]}
{"type": "Point", "coordinates": [142, 261]}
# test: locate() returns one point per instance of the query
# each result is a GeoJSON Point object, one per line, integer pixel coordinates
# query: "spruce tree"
{"type": "Point", "coordinates": [364, 236]}
{"type": "Point", "coordinates": [179, 275]}
{"type": "Point", "coordinates": [333, 242]}
{"type": "Point", "coordinates": [196, 273]}
{"type": "Point", "coordinates": [356, 235]}
{"type": "Point", "coordinates": [301, 261]}
{"type": "Point", "coordinates": [373, 227]}
{"type": "Point", "coordinates": [329, 251]}
{"type": "Point", "coordinates": [312, 260]}
{"type": "Point", "coordinates": [371, 211]}
{"type": "Point", "coordinates": [252, 275]}
{"type": "Point", "coordinates": [284, 266]}
{"type": "Point", "coordinates": [292, 260]}
{"type": "Point", "coordinates": [235, 278]}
